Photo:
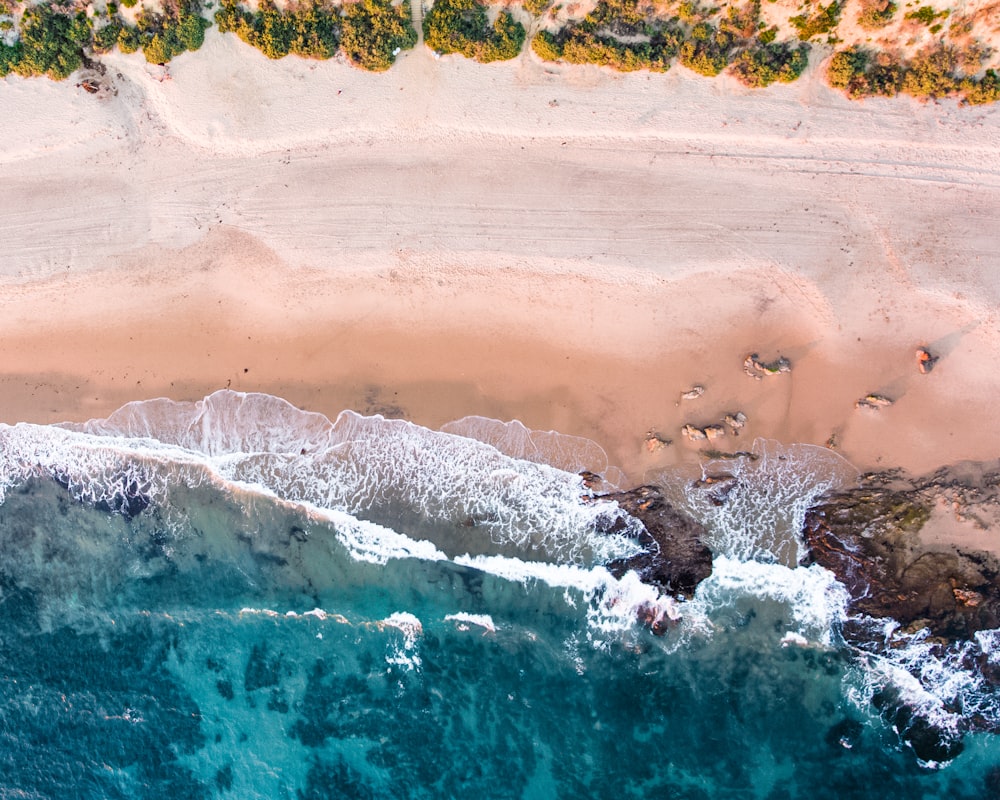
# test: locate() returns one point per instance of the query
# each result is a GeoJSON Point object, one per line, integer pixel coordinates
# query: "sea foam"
{"type": "Point", "coordinates": [461, 494]}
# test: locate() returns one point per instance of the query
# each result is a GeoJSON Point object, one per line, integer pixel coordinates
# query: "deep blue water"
{"type": "Point", "coordinates": [237, 599]}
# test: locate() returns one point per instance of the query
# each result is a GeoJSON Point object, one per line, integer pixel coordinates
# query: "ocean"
{"type": "Point", "coordinates": [237, 598]}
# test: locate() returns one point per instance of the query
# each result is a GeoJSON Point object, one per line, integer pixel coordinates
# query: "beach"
{"type": "Point", "coordinates": [566, 246]}
{"type": "Point", "coordinates": [222, 593]}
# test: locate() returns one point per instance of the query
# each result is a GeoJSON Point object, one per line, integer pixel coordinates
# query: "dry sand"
{"type": "Point", "coordinates": [567, 246]}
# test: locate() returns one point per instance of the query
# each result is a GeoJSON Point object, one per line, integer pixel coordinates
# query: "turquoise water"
{"type": "Point", "coordinates": [237, 599]}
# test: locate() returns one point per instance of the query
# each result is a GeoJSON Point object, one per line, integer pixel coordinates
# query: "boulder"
{"type": "Point", "coordinates": [713, 432]}
{"type": "Point", "coordinates": [675, 558]}
{"type": "Point", "coordinates": [736, 422]}
{"type": "Point", "coordinates": [693, 433]}
{"type": "Point", "coordinates": [757, 369]}
{"type": "Point", "coordinates": [654, 442]}
{"type": "Point", "coordinates": [873, 402]}
{"type": "Point", "coordinates": [925, 361]}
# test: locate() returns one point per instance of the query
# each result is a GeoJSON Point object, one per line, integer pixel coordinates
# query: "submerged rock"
{"type": "Point", "coordinates": [693, 393]}
{"type": "Point", "coordinates": [932, 744]}
{"type": "Point", "coordinates": [676, 558]}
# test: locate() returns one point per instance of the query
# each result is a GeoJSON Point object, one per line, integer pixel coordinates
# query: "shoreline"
{"type": "Point", "coordinates": [642, 235]}
{"type": "Point", "coordinates": [433, 345]}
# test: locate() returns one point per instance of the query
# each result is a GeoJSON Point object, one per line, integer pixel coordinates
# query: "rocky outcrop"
{"type": "Point", "coordinates": [873, 539]}
{"type": "Point", "coordinates": [905, 551]}
{"type": "Point", "coordinates": [675, 559]}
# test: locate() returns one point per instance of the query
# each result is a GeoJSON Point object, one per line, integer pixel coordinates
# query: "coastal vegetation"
{"type": "Point", "coordinates": [614, 35]}
{"type": "Point", "coordinates": [370, 32]}
{"type": "Point", "coordinates": [463, 26]}
{"type": "Point", "coordinates": [924, 51]}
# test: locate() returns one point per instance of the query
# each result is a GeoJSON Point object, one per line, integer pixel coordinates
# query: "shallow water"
{"type": "Point", "coordinates": [240, 599]}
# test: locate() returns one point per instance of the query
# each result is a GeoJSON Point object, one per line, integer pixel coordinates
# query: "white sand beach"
{"type": "Point", "coordinates": [568, 246]}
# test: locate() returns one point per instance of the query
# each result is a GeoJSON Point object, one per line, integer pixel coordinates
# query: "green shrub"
{"type": "Point", "coordinates": [708, 50]}
{"type": "Point", "coordinates": [268, 29]}
{"type": "Point", "coordinates": [823, 21]}
{"type": "Point", "coordinates": [861, 73]}
{"type": "Point", "coordinates": [310, 30]}
{"type": "Point", "coordinates": [846, 66]}
{"type": "Point", "coordinates": [876, 14]}
{"type": "Point", "coordinates": [926, 14]}
{"type": "Point", "coordinates": [536, 7]}
{"type": "Point", "coordinates": [10, 55]}
{"type": "Point", "coordinates": [373, 30]}
{"type": "Point", "coordinates": [595, 39]}
{"type": "Point", "coordinates": [931, 73]}
{"type": "Point", "coordinates": [546, 46]}
{"type": "Point", "coordinates": [617, 17]}
{"type": "Point", "coordinates": [180, 28]}
{"type": "Point", "coordinates": [129, 39]}
{"type": "Point", "coordinates": [982, 91]}
{"type": "Point", "coordinates": [106, 37]}
{"type": "Point", "coordinates": [763, 64]}
{"type": "Point", "coordinates": [51, 41]}
{"type": "Point", "coordinates": [743, 22]}
{"type": "Point", "coordinates": [461, 26]}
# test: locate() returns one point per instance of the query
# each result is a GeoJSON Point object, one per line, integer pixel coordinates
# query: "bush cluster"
{"type": "Point", "coordinates": [620, 34]}
{"type": "Point", "coordinates": [462, 26]}
{"type": "Point", "coordinates": [374, 30]}
{"type": "Point", "coordinates": [310, 31]}
{"type": "Point", "coordinates": [876, 14]}
{"type": "Point", "coordinates": [51, 41]}
{"type": "Point", "coordinates": [180, 28]}
{"type": "Point", "coordinates": [55, 37]}
{"type": "Point", "coordinates": [926, 14]}
{"type": "Point", "coordinates": [862, 73]}
{"type": "Point", "coordinates": [930, 74]}
{"type": "Point", "coordinates": [762, 64]}
{"type": "Point", "coordinates": [823, 21]}
{"type": "Point", "coordinates": [708, 49]}
{"type": "Point", "coordinates": [596, 39]}
{"type": "Point", "coordinates": [370, 32]}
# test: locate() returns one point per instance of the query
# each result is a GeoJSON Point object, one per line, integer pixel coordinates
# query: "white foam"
{"type": "Point", "coordinates": [613, 605]}
{"type": "Point", "coordinates": [375, 544]}
{"type": "Point", "coordinates": [761, 517]}
{"type": "Point", "coordinates": [936, 682]}
{"type": "Point", "coordinates": [464, 620]}
{"type": "Point", "coordinates": [515, 439]}
{"type": "Point", "coordinates": [404, 653]}
{"type": "Point", "coordinates": [816, 601]}
{"type": "Point", "coordinates": [355, 465]}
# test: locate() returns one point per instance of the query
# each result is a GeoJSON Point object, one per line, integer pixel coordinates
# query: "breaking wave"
{"type": "Point", "coordinates": [311, 586]}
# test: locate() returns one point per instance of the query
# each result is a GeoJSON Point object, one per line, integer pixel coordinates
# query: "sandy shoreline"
{"type": "Point", "coordinates": [578, 271]}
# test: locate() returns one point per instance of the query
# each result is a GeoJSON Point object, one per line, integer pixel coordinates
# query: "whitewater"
{"type": "Point", "coordinates": [237, 598]}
